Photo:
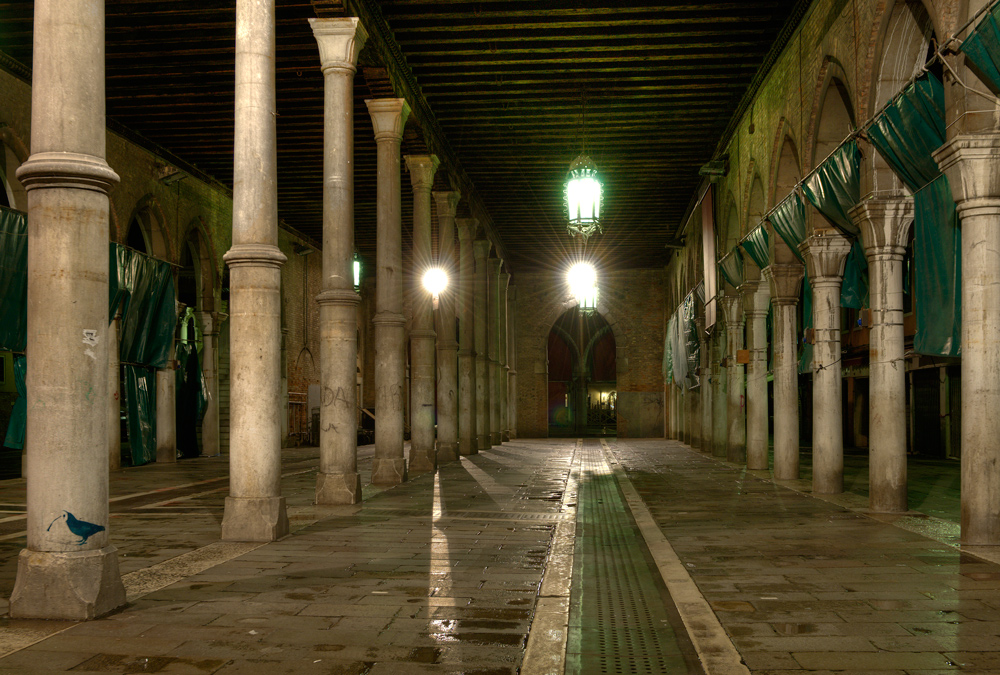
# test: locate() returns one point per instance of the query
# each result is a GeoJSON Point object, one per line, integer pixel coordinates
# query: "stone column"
{"type": "Point", "coordinates": [389, 465]}
{"type": "Point", "coordinates": [447, 345]}
{"type": "Point", "coordinates": [483, 439]}
{"type": "Point", "coordinates": [756, 300]}
{"type": "Point", "coordinates": [697, 396]}
{"type": "Point", "coordinates": [885, 225]}
{"type": "Point", "coordinates": [504, 369]}
{"type": "Point", "coordinates": [210, 371]}
{"type": "Point", "coordinates": [720, 428]}
{"type": "Point", "coordinates": [467, 396]}
{"type": "Point", "coordinates": [970, 161]}
{"type": "Point", "coordinates": [512, 362]}
{"type": "Point", "coordinates": [423, 338]}
{"type": "Point", "coordinates": [493, 346]}
{"type": "Point", "coordinates": [784, 280]}
{"type": "Point", "coordinates": [736, 440]}
{"type": "Point", "coordinates": [255, 509]}
{"type": "Point", "coordinates": [338, 481]}
{"type": "Point", "coordinates": [825, 253]}
{"type": "Point", "coordinates": [166, 410]}
{"type": "Point", "coordinates": [707, 376]}
{"type": "Point", "coordinates": [69, 570]}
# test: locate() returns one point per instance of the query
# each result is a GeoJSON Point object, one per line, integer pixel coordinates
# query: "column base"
{"type": "Point", "coordinates": [338, 488]}
{"type": "Point", "coordinates": [165, 455]}
{"type": "Point", "coordinates": [76, 586]}
{"type": "Point", "coordinates": [495, 438]}
{"type": "Point", "coordinates": [447, 452]}
{"type": "Point", "coordinates": [388, 471]}
{"type": "Point", "coordinates": [254, 519]}
{"type": "Point", "coordinates": [483, 443]}
{"type": "Point", "coordinates": [504, 436]}
{"type": "Point", "coordinates": [422, 461]}
{"type": "Point", "coordinates": [468, 449]}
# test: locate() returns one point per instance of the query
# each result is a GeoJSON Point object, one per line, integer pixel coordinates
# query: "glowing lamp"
{"type": "Point", "coordinates": [583, 197]}
{"type": "Point", "coordinates": [582, 279]}
{"type": "Point", "coordinates": [357, 272]}
{"type": "Point", "coordinates": [435, 281]}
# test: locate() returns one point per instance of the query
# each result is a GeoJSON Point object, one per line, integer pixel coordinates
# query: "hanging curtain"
{"type": "Point", "coordinates": [854, 291]}
{"type": "Point", "coordinates": [789, 220]}
{"type": "Point", "coordinates": [835, 187]}
{"type": "Point", "coordinates": [982, 50]}
{"type": "Point", "coordinates": [731, 266]}
{"type": "Point", "coordinates": [668, 356]}
{"type": "Point", "coordinates": [756, 246]}
{"type": "Point", "coordinates": [14, 311]}
{"type": "Point", "coordinates": [906, 134]}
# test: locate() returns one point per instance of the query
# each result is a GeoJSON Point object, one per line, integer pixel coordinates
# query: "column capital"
{"type": "Point", "coordinates": [389, 116]}
{"type": "Point", "coordinates": [482, 248]}
{"type": "Point", "coordinates": [467, 228]}
{"type": "Point", "coordinates": [254, 255]}
{"type": "Point", "coordinates": [340, 41]}
{"type": "Point", "coordinates": [732, 307]}
{"type": "Point", "coordinates": [446, 202]}
{"type": "Point", "coordinates": [422, 169]}
{"type": "Point", "coordinates": [783, 281]}
{"type": "Point", "coordinates": [825, 252]}
{"type": "Point", "coordinates": [756, 296]}
{"type": "Point", "coordinates": [884, 223]}
{"type": "Point", "coordinates": [495, 265]}
{"type": "Point", "coordinates": [66, 170]}
{"type": "Point", "coordinates": [969, 161]}
{"type": "Point", "coordinates": [338, 297]}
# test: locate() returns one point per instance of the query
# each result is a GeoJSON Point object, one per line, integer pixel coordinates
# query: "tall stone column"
{"type": "Point", "coordinates": [756, 300]}
{"type": "Point", "coordinates": [423, 338]}
{"type": "Point", "coordinates": [504, 369]}
{"type": "Point", "coordinates": [707, 378]}
{"type": "Point", "coordinates": [784, 280]}
{"type": "Point", "coordinates": [447, 345]}
{"type": "Point", "coordinates": [736, 428]}
{"type": "Point", "coordinates": [720, 404]}
{"type": "Point", "coordinates": [512, 362]}
{"type": "Point", "coordinates": [210, 446]}
{"type": "Point", "coordinates": [483, 439]}
{"type": "Point", "coordinates": [493, 346]}
{"type": "Point", "coordinates": [389, 465]}
{"type": "Point", "coordinates": [885, 225]}
{"type": "Point", "coordinates": [255, 509]}
{"type": "Point", "coordinates": [67, 572]}
{"type": "Point", "coordinates": [166, 410]}
{"type": "Point", "coordinates": [971, 165]}
{"type": "Point", "coordinates": [468, 436]}
{"type": "Point", "coordinates": [338, 481]}
{"type": "Point", "coordinates": [697, 396]}
{"type": "Point", "coordinates": [825, 253]}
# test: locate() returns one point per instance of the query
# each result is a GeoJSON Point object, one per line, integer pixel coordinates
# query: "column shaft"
{"type": "Point", "coordinates": [166, 410]}
{"type": "Point", "coordinates": [483, 440]}
{"type": "Point", "coordinates": [255, 509]}
{"type": "Point", "coordinates": [720, 403]}
{"type": "Point", "coordinates": [784, 280]}
{"type": "Point", "coordinates": [502, 356]}
{"type": "Point", "coordinates": [756, 300]}
{"type": "Point", "coordinates": [512, 362]}
{"type": "Point", "coordinates": [736, 440]}
{"type": "Point", "coordinates": [114, 402]}
{"type": "Point", "coordinates": [68, 570]}
{"type": "Point", "coordinates": [467, 397]}
{"type": "Point", "coordinates": [447, 345]}
{"type": "Point", "coordinates": [493, 347]}
{"type": "Point", "coordinates": [210, 372]}
{"type": "Point", "coordinates": [707, 378]}
{"type": "Point", "coordinates": [389, 465]}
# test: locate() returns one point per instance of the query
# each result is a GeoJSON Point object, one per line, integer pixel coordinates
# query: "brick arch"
{"type": "Point", "coordinates": [785, 134]}
{"type": "Point", "coordinates": [160, 244]}
{"type": "Point", "coordinates": [830, 73]}
{"type": "Point", "coordinates": [209, 272]}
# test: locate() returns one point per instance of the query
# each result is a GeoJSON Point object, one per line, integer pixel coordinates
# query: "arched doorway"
{"type": "Point", "coordinates": [583, 394]}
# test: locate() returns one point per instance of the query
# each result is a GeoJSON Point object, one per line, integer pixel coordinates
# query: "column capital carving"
{"type": "Point", "coordinates": [756, 296]}
{"type": "Point", "coordinates": [254, 255]}
{"type": "Point", "coordinates": [825, 252]}
{"type": "Point", "coordinates": [446, 202]}
{"type": "Point", "coordinates": [389, 116]}
{"type": "Point", "coordinates": [783, 282]}
{"type": "Point", "coordinates": [482, 248]}
{"type": "Point", "coordinates": [732, 307]}
{"type": "Point", "coordinates": [467, 228]}
{"type": "Point", "coordinates": [884, 223]}
{"type": "Point", "coordinates": [969, 160]}
{"type": "Point", "coordinates": [422, 169]}
{"type": "Point", "coordinates": [340, 41]}
{"type": "Point", "coordinates": [66, 170]}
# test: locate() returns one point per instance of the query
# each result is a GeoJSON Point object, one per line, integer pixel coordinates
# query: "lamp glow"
{"type": "Point", "coordinates": [582, 279]}
{"type": "Point", "coordinates": [435, 281]}
{"type": "Point", "coordinates": [583, 197]}
{"type": "Point", "coordinates": [357, 272]}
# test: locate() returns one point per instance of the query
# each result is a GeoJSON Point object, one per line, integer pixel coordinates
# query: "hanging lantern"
{"type": "Point", "coordinates": [582, 280]}
{"type": "Point", "coordinates": [583, 197]}
{"type": "Point", "coordinates": [588, 301]}
{"type": "Point", "coordinates": [357, 272]}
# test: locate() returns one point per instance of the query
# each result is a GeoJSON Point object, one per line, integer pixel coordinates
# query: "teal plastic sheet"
{"type": "Point", "coordinates": [140, 404]}
{"type": "Point", "coordinates": [789, 220]}
{"type": "Point", "coordinates": [835, 187]}
{"type": "Point", "coordinates": [982, 50]}
{"type": "Point", "coordinates": [905, 135]}
{"type": "Point", "coordinates": [731, 266]}
{"type": "Point", "coordinates": [937, 253]}
{"type": "Point", "coordinates": [668, 351]}
{"type": "Point", "coordinates": [756, 245]}
{"type": "Point", "coordinates": [854, 290]}
{"type": "Point", "coordinates": [19, 415]}
{"type": "Point", "coordinates": [13, 279]}
{"type": "Point", "coordinates": [806, 349]}
{"type": "Point", "coordinates": [191, 400]}
{"type": "Point", "coordinates": [146, 288]}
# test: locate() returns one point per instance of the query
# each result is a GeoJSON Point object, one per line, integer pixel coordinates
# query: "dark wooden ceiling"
{"type": "Point", "coordinates": [507, 92]}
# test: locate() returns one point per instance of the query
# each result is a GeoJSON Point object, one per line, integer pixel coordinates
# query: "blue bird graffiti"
{"type": "Point", "coordinates": [80, 528]}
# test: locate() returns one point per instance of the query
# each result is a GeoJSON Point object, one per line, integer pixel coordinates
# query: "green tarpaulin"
{"type": "Point", "coordinates": [835, 187]}
{"type": "Point", "coordinates": [982, 50]}
{"type": "Point", "coordinates": [789, 220]}
{"type": "Point", "coordinates": [905, 135]}
{"type": "Point", "coordinates": [806, 350]}
{"type": "Point", "coordinates": [191, 402]}
{"type": "Point", "coordinates": [756, 246]}
{"type": "Point", "coordinates": [139, 386]}
{"type": "Point", "coordinates": [668, 355]}
{"type": "Point", "coordinates": [14, 310]}
{"type": "Point", "coordinates": [692, 346]}
{"type": "Point", "coordinates": [19, 415]}
{"type": "Point", "coordinates": [731, 266]}
{"type": "Point", "coordinates": [854, 292]}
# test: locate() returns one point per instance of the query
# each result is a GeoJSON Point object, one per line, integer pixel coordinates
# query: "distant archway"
{"type": "Point", "coordinates": [582, 388]}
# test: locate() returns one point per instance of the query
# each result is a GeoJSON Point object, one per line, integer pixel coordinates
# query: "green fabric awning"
{"type": "Point", "coordinates": [835, 187]}
{"type": "Point", "coordinates": [789, 220]}
{"type": "Point", "coordinates": [756, 246]}
{"type": "Point", "coordinates": [905, 135]}
{"type": "Point", "coordinates": [731, 267]}
{"type": "Point", "coordinates": [854, 292]}
{"type": "Point", "coordinates": [982, 50]}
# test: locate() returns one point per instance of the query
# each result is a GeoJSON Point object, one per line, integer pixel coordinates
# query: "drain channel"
{"type": "Point", "coordinates": [622, 619]}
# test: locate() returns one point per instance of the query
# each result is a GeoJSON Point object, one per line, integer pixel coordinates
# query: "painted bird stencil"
{"type": "Point", "coordinates": [80, 528]}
